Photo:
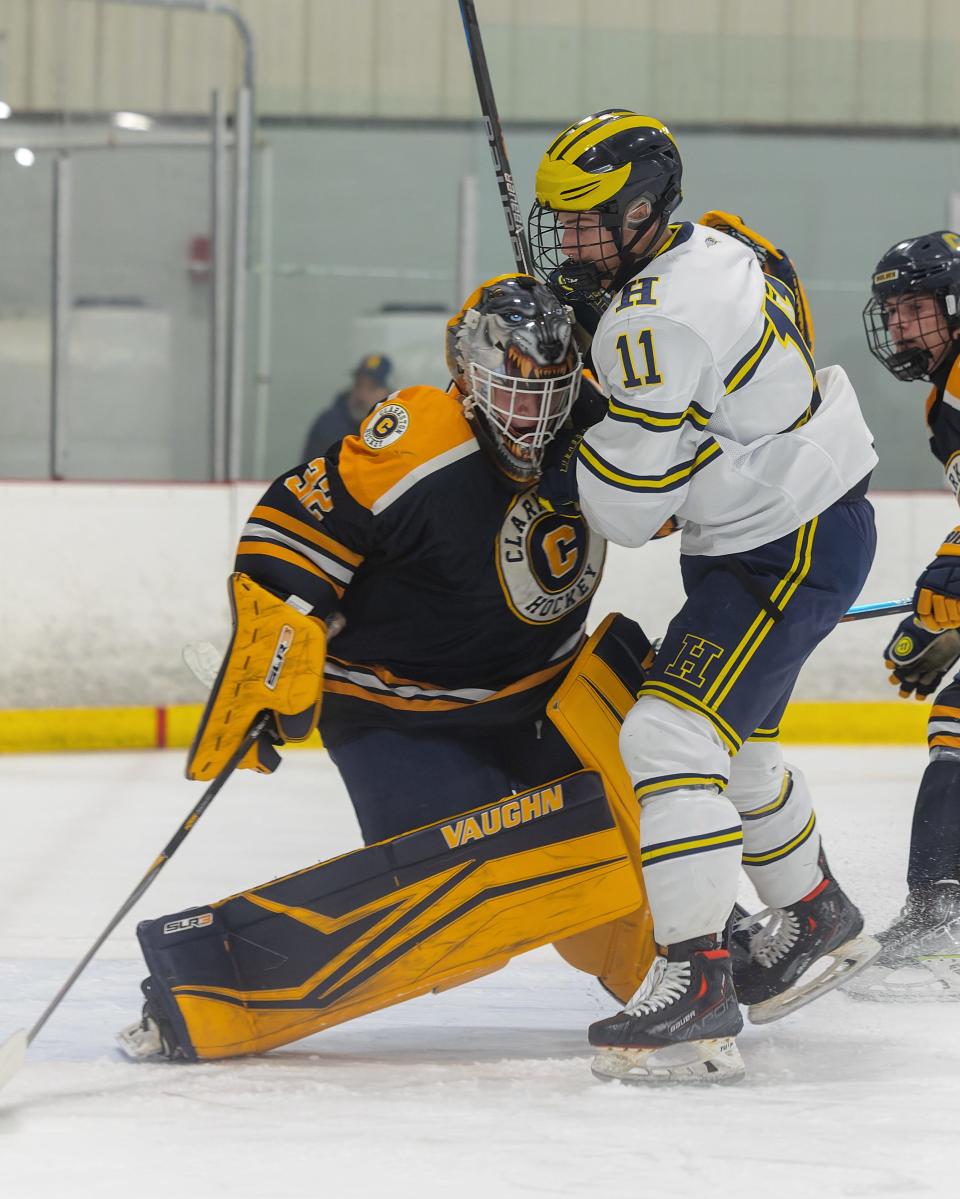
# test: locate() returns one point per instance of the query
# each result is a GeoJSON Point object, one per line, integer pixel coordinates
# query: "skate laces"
{"type": "Point", "coordinates": [665, 983]}
{"type": "Point", "coordinates": [771, 941]}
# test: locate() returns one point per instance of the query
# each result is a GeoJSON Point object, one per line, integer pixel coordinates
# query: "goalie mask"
{"type": "Point", "coordinates": [913, 314]}
{"type": "Point", "coordinates": [511, 352]}
{"type": "Point", "coordinates": [602, 185]}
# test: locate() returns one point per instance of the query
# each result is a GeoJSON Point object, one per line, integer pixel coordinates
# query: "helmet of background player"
{"type": "Point", "coordinates": [913, 314]}
{"type": "Point", "coordinates": [607, 165]}
{"type": "Point", "coordinates": [511, 352]}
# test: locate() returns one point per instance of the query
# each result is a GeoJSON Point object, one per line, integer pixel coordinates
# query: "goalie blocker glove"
{"type": "Point", "coordinates": [936, 600]}
{"type": "Point", "coordinates": [918, 658]}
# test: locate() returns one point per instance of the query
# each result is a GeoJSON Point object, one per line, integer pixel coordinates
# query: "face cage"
{"type": "Point", "coordinates": [581, 280]}
{"type": "Point", "coordinates": [907, 365]}
{"type": "Point", "coordinates": [500, 399]}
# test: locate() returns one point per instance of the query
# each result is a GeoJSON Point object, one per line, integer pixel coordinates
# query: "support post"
{"type": "Point", "coordinates": [60, 303]}
{"type": "Point", "coordinates": [219, 292]}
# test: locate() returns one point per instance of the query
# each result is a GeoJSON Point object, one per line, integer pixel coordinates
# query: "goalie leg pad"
{"type": "Point", "coordinates": [589, 709]}
{"type": "Point", "coordinates": [420, 912]}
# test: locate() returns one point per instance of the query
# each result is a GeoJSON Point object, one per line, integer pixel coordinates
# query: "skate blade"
{"type": "Point", "coordinates": [12, 1054]}
{"type": "Point", "coordinates": [931, 979]}
{"type": "Point", "coordinates": [141, 1044]}
{"type": "Point", "coordinates": [697, 1062]}
{"type": "Point", "coordinates": [847, 960]}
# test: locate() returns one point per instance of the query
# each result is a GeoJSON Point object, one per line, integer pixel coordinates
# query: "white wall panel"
{"type": "Point", "coordinates": [944, 63]}
{"type": "Point", "coordinates": [16, 38]}
{"type": "Point", "coordinates": [825, 58]}
{"type": "Point", "coordinates": [548, 62]}
{"type": "Point", "coordinates": [65, 55]}
{"type": "Point", "coordinates": [134, 52]}
{"type": "Point", "coordinates": [408, 80]}
{"type": "Point", "coordinates": [755, 62]}
{"type": "Point", "coordinates": [103, 584]}
{"type": "Point", "coordinates": [688, 60]}
{"type": "Point", "coordinates": [278, 27]}
{"type": "Point", "coordinates": [751, 61]}
{"type": "Point", "coordinates": [204, 56]}
{"type": "Point", "coordinates": [341, 50]}
{"type": "Point", "coordinates": [620, 61]}
{"type": "Point", "coordinates": [894, 56]}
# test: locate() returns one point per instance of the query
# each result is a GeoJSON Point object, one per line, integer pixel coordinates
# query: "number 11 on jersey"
{"type": "Point", "coordinates": [631, 378]}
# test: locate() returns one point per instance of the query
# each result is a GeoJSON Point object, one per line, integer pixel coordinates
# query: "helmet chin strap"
{"type": "Point", "coordinates": [630, 265]}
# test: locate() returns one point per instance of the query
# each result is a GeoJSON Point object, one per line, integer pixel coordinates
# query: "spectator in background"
{"type": "Point", "coordinates": [371, 384]}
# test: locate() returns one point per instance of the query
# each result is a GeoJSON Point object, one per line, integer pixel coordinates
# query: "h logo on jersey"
{"type": "Point", "coordinates": [694, 659]}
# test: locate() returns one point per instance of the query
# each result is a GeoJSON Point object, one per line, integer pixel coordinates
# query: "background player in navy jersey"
{"type": "Point", "coordinates": [912, 322]}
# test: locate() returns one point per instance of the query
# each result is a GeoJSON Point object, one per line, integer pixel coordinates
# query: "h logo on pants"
{"type": "Point", "coordinates": [693, 660]}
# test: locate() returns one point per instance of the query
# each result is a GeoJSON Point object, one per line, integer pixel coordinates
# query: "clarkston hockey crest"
{"type": "Point", "coordinates": [548, 564]}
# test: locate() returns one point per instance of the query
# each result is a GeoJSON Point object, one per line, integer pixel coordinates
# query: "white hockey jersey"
{"type": "Point", "coordinates": [717, 413]}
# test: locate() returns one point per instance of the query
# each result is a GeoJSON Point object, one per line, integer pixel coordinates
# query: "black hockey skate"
{"type": "Point", "coordinates": [152, 1037]}
{"type": "Point", "coordinates": [920, 955]}
{"type": "Point", "coordinates": [783, 943]}
{"type": "Point", "coordinates": [681, 1025]}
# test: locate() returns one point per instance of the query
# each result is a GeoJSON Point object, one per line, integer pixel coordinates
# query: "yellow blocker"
{"type": "Point", "coordinates": [274, 662]}
{"type": "Point", "coordinates": [421, 912]}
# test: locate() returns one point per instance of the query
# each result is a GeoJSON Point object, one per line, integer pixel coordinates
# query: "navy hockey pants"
{"type": "Point", "coordinates": [399, 781]}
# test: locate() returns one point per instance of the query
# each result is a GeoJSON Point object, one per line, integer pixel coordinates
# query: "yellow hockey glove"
{"type": "Point", "coordinates": [776, 263]}
{"type": "Point", "coordinates": [274, 662]}
{"type": "Point", "coordinates": [670, 526]}
{"type": "Point", "coordinates": [936, 599]}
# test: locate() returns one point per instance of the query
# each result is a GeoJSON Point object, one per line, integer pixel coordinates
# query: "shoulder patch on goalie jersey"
{"type": "Point", "coordinates": [412, 434]}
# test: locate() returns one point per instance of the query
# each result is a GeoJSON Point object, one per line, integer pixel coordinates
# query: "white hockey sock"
{"type": "Point", "coordinates": [690, 835]}
{"type": "Point", "coordinates": [690, 849]}
{"type": "Point", "coordinates": [781, 845]}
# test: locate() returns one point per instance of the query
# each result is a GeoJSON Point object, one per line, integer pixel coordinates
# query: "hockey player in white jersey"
{"type": "Point", "coordinates": [719, 421]}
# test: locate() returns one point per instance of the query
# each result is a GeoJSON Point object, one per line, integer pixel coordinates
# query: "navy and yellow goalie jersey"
{"type": "Point", "coordinates": [464, 601]}
{"type": "Point", "coordinates": [943, 419]}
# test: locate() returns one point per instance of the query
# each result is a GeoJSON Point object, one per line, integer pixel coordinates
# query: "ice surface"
{"type": "Point", "coordinates": [480, 1091]}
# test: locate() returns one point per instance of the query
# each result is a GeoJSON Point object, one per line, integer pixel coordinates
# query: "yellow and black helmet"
{"type": "Point", "coordinates": [605, 163]}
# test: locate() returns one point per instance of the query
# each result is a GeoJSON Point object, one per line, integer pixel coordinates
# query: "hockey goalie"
{"type": "Point", "coordinates": [474, 725]}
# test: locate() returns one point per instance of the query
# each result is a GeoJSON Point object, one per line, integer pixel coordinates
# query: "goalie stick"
{"type": "Point", "coordinates": [883, 608]}
{"type": "Point", "coordinates": [498, 148]}
{"type": "Point", "coordinates": [14, 1049]}
{"type": "Point", "coordinates": [203, 661]}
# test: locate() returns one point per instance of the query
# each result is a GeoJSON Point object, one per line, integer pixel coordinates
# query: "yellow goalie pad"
{"type": "Point", "coordinates": [588, 709]}
{"type": "Point", "coordinates": [274, 662]}
{"type": "Point", "coordinates": [422, 912]}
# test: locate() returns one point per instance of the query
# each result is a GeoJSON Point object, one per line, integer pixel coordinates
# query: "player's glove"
{"type": "Point", "coordinates": [918, 659]}
{"type": "Point", "coordinates": [590, 406]}
{"type": "Point", "coordinates": [670, 525]}
{"type": "Point", "coordinates": [578, 284]}
{"type": "Point", "coordinates": [774, 262]}
{"type": "Point", "coordinates": [557, 490]}
{"type": "Point", "coordinates": [274, 663]}
{"type": "Point", "coordinates": [936, 601]}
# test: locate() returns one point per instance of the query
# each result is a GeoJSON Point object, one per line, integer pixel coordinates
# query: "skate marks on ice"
{"type": "Point", "coordinates": [486, 1089]}
{"type": "Point", "coordinates": [483, 1090]}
